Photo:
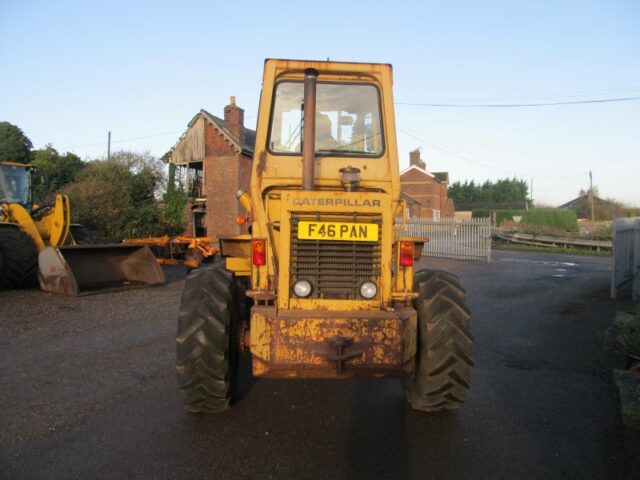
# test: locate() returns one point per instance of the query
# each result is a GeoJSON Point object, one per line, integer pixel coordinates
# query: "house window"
{"type": "Point", "coordinates": [199, 224]}
{"type": "Point", "coordinates": [436, 215]}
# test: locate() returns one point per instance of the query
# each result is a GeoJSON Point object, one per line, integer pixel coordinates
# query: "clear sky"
{"type": "Point", "coordinates": [71, 71]}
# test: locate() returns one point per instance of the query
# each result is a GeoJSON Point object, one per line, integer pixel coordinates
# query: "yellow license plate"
{"type": "Point", "coordinates": [354, 232]}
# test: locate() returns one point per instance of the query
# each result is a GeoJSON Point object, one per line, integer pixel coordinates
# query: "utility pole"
{"type": "Point", "coordinates": [531, 193]}
{"type": "Point", "coordinates": [109, 146]}
{"type": "Point", "coordinates": [593, 210]}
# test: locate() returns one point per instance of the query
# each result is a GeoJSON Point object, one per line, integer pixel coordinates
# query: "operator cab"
{"type": "Point", "coordinates": [15, 184]}
{"type": "Point", "coordinates": [347, 120]}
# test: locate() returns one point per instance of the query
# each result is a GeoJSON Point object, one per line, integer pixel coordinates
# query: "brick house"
{"type": "Point", "coordinates": [214, 158]}
{"type": "Point", "coordinates": [428, 190]}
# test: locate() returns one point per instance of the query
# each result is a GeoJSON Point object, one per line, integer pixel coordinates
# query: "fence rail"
{"type": "Point", "coordinates": [544, 241]}
{"type": "Point", "coordinates": [626, 256]}
{"type": "Point", "coordinates": [452, 238]}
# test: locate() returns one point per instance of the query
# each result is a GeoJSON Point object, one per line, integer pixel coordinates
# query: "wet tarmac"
{"type": "Point", "coordinates": [88, 391]}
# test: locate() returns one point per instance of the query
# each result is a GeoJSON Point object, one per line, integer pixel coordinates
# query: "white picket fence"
{"type": "Point", "coordinates": [452, 238]}
{"type": "Point", "coordinates": [626, 256]}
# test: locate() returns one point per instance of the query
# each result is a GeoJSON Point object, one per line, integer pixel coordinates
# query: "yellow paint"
{"type": "Point", "coordinates": [261, 336]}
{"type": "Point", "coordinates": [276, 197]}
{"type": "Point", "coordinates": [19, 215]}
{"type": "Point", "coordinates": [245, 200]}
{"type": "Point", "coordinates": [240, 266]}
{"type": "Point", "coordinates": [51, 229]}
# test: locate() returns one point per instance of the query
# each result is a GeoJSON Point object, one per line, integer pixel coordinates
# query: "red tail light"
{"type": "Point", "coordinates": [258, 252]}
{"type": "Point", "coordinates": [406, 254]}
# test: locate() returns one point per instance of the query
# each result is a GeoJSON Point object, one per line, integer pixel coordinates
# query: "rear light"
{"type": "Point", "coordinates": [258, 251]}
{"type": "Point", "coordinates": [406, 254]}
{"type": "Point", "coordinates": [241, 220]}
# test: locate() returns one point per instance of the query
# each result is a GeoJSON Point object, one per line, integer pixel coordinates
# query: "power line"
{"type": "Point", "coordinates": [120, 141]}
{"type": "Point", "coordinates": [516, 105]}
{"type": "Point", "coordinates": [583, 93]}
{"type": "Point", "coordinates": [407, 131]}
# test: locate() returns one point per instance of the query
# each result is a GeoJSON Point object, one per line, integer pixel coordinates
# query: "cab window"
{"type": "Point", "coordinates": [347, 119]}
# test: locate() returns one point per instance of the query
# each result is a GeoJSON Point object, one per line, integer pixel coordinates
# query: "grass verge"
{"type": "Point", "coordinates": [533, 248]}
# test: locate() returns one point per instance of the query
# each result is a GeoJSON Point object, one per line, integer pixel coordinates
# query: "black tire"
{"type": "Point", "coordinates": [443, 365]}
{"type": "Point", "coordinates": [18, 259]}
{"type": "Point", "coordinates": [82, 235]}
{"type": "Point", "coordinates": [207, 340]}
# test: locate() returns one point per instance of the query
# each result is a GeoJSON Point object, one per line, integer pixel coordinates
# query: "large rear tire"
{"type": "Point", "coordinates": [207, 340]}
{"type": "Point", "coordinates": [443, 369]}
{"type": "Point", "coordinates": [18, 259]}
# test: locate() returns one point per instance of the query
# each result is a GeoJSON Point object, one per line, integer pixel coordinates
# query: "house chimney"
{"type": "Point", "coordinates": [414, 159]}
{"type": "Point", "coordinates": [234, 119]}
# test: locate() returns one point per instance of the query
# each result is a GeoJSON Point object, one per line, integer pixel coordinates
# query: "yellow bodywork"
{"type": "Point", "coordinates": [63, 266]}
{"type": "Point", "coordinates": [292, 336]}
{"type": "Point", "coordinates": [49, 229]}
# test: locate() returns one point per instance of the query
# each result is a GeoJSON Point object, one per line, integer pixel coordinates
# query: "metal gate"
{"type": "Point", "coordinates": [626, 256]}
{"type": "Point", "coordinates": [452, 238]}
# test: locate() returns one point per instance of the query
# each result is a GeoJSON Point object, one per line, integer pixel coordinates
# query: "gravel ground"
{"type": "Point", "coordinates": [88, 391]}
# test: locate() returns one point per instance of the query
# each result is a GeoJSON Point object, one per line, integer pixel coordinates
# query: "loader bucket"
{"type": "Point", "coordinates": [87, 269]}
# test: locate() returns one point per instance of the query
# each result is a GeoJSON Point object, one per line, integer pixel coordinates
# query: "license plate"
{"type": "Point", "coordinates": [354, 232]}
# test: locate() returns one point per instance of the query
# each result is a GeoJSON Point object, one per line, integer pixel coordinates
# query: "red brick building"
{"type": "Point", "coordinates": [214, 158]}
{"type": "Point", "coordinates": [425, 191]}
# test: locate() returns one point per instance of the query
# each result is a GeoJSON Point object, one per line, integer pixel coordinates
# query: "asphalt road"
{"type": "Point", "coordinates": [87, 390]}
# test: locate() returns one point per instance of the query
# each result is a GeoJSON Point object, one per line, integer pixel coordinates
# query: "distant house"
{"type": "Point", "coordinates": [214, 158]}
{"type": "Point", "coordinates": [427, 191]}
{"type": "Point", "coordinates": [603, 209]}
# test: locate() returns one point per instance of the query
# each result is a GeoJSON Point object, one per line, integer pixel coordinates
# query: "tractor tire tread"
{"type": "Point", "coordinates": [443, 369]}
{"type": "Point", "coordinates": [19, 259]}
{"type": "Point", "coordinates": [205, 358]}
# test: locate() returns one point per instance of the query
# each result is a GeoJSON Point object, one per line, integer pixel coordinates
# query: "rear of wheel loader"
{"type": "Point", "coordinates": [330, 286]}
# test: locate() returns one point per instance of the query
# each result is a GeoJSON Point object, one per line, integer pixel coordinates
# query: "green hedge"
{"type": "Point", "coordinates": [545, 217]}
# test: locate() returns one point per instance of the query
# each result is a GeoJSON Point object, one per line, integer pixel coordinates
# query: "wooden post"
{"type": "Point", "coordinates": [593, 210]}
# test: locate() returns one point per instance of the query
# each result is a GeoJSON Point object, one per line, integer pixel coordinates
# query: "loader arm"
{"type": "Point", "coordinates": [55, 225]}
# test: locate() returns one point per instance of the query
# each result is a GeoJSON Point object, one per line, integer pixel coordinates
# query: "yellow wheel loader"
{"type": "Point", "coordinates": [324, 286]}
{"type": "Point", "coordinates": [41, 242]}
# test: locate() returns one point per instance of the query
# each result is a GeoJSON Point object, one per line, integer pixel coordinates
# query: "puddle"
{"type": "Point", "coordinates": [537, 262]}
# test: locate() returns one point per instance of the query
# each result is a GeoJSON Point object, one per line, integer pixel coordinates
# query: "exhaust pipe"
{"type": "Point", "coordinates": [309, 138]}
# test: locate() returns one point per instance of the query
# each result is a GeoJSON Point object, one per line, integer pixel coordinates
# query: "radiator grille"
{"type": "Point", "coordinates": [336, 269]}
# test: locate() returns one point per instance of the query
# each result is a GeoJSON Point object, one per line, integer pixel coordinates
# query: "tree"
{"type": "Point", "coordinates": [118, 198]}
{"type": "Point", "coordinates": [53, 171]}
{"type": "Point", "coordinates": [14, 144]}
{"type": "Point", "coordinates": [175, 201]}
{"type": "Point", "coordinates": [503, 191]}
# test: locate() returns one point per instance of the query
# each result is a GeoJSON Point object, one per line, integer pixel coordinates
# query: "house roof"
{"type": "Point", "coordinates": [248, 140]}
{"type": "Point", "coordinates": [584, 198]}
{"type": "Point", "coordinates": [442, 176]}
{"type": "Point", "coordinates": [249, 137]}
{"type": "Point", "coordinates": [408, 197]}
{"type": "Point", "coordinates": [421, 170]}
